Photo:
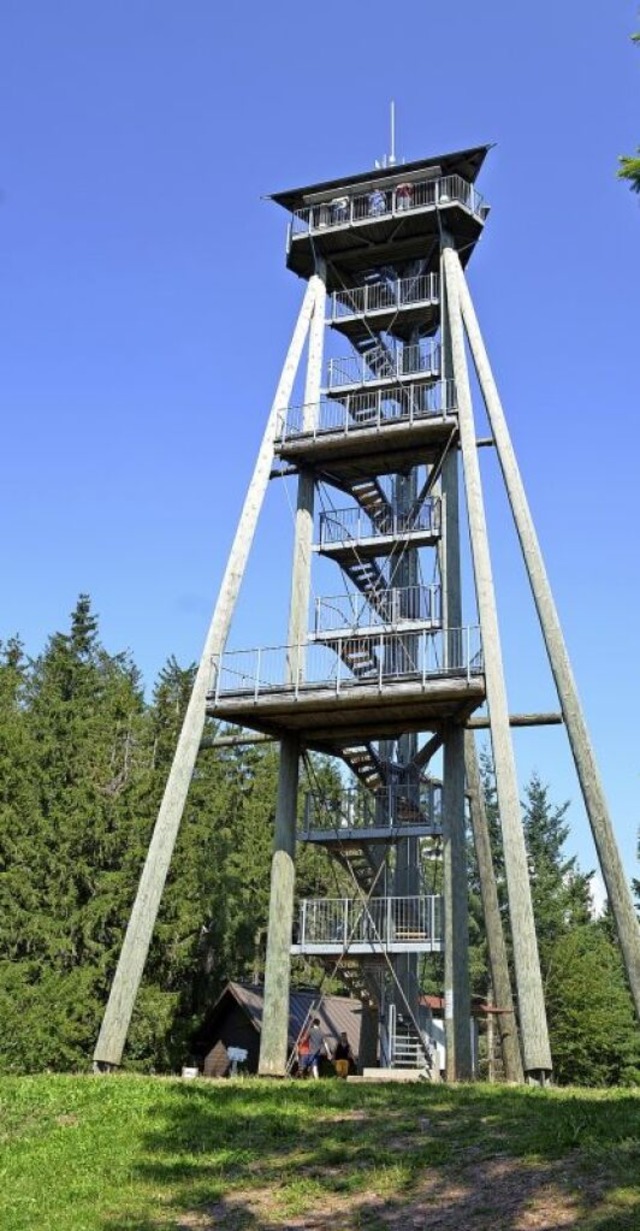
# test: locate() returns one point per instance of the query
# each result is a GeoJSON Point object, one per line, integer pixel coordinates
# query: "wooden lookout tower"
{"type": "Point", "coordinates": [386, 671]}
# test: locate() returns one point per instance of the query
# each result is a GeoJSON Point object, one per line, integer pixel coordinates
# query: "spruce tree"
{"type": "Point", "coordinates": [559, 891]}
{"type": "Point", "coordinates": [83, 766]}
{"type": "Point", "coordinates": [79, 712]}
{"type": "Point", "coordinates": [594, 1035]}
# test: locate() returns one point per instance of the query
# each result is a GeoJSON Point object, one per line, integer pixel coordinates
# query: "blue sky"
{"type": "Point", "coordinates": [145, 309]}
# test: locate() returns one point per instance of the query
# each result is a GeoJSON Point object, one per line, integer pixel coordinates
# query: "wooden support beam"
{"type": "Point", "coordinates": [424, 754]}
{"type": "Point", "coordinates": [533, 1022]}
{"type": "Point", "coordinates": [283, 472]}
{"type": "Point", "coordinates": [275, 1020]}
{"type": "Point", "coordinates": [496, 946]}
{"type": "Point", "coordinates": [483, 723]}
{"type": "Point", "coordinates": [124, 989]}
{"type": "Point", "coordinates": [277, 974]}
{"type": "Point", "coordinates": [457, 991]}
{"type": "Point", "coordinates": [516, 720]}
{"type": "Point", "coordinates": [236, 741]}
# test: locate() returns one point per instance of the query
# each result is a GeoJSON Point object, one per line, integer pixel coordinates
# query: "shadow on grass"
{"type": "Point", "coordinates": [250, 1154]}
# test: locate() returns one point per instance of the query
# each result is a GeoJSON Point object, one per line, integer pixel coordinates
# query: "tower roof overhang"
{"type": "Point", "coordinates": [465, 163]}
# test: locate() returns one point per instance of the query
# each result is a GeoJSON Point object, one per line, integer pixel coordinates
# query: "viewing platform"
{"type": "Point", "coordinates": [382, 426]}
{"type": "Point", "coordinates": [385, 216]}
{"type": "Point", "coordinates": [343, 532]}
{"type": "Point", "coordinates": [383, 365]}
{"type": "Point", "coordinates": [381, 925]}
{"type": "Point", "coordinates": [398, 810]}
{"type": "Point", "coordinates": [392, 213]}
{"type": "Point", "coordinates": [401, 303]}
{"type": "Point", "coordinates": [403, 683]}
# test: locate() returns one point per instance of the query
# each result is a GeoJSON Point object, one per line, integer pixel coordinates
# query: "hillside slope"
{"type": "Point", "coordinates": [140, 1154]}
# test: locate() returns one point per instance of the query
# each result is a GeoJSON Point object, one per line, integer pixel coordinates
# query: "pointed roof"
{"type": "Point", "coordinates": [466, 163]}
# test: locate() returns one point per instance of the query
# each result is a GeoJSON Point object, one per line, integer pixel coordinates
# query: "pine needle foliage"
{"type": "Point", "coordinates": [629, 168]}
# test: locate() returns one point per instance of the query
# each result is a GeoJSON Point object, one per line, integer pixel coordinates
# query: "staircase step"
{"type": "Point", "coordinates": [397, 1075]}
{"type": "Point", "coordinates": [370, 496]}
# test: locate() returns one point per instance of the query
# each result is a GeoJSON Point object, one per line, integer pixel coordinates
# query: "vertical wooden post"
{"type": "Point", "coordinates": [457, 993]}
{"type": "Point", "coordinates": [533, 1022]}
{"type": "Point", "coordinates": [275, 1014]}
{"type": "Point", "coordinates": [302, 551]}
{"type": "Point", "coordinates": [491, 1063]}
{"type": "Point", "coordinates": [613, 874]}
{"type": "Point", "coordinates": [457, 998]}
{"type": "Point", "coordinates": [496, 947]}
{"type": "Point", "coordinates": [124, 989]}
{"type": "Point", "coordinates": [275, 1022]}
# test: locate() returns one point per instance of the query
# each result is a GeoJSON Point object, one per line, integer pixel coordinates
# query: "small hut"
{"type": "Point", "coordinates": [235, 1020]}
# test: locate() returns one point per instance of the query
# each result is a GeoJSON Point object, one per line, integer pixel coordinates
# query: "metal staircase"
{"type": "Point", "coordinates": [369, 495]}
{"type": "Point", "coordinates": [361, 643]}
{"type": "Point", "coordinates": [363, 761]}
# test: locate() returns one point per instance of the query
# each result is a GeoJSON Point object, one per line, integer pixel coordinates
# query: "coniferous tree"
{"type": "Point", "coordinates": [594, 1035]}
{"type": "Point", "coordinates": [83, 766]}
{"type": "Point", "coordinates": [559, 891]}
{"type": "Point", "coordinates": [629, 168]}
{"type": "Point", "coordinates": [18, 837]}
{"type": "Point", "coordinates": [478, 955]}
{"type": "Point", "coordinates": [77, 705]}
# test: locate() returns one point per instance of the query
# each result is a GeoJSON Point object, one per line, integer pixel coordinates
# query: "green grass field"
{"type": "Point", "coordinates": [109, 1153]}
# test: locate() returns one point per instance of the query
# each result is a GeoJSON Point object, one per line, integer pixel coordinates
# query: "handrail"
{"type": "Point", "coordinates": [354, 524]}
{"type": "Point", "coordinates": [380, 659]}
{"type": "Point", "coordinates": [380, 921]}
{"type": "Point", "coordinates": [383, 296]}
{"type": "Point", "coordinates": [385, 363]}
{"type": "Point", "coordinates": [353, 610]}
{"type": "Point", "coordinates": [344, 210]}
{"type": "Point", "coordinates": [386, 406]}
{"type": "Point", "coordinates": [396, 805]}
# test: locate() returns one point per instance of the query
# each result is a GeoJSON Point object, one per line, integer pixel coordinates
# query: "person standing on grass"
{"type": "Point", "coordinates": [303, 1051]}
{"type": "Point", "coordinates": [343, 1056]}
{"type": "Point", "coordinates": [317, 1048]}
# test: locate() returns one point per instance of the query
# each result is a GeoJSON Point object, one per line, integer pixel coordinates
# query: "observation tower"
{"type": "Point", "coordinates": [388, 668]}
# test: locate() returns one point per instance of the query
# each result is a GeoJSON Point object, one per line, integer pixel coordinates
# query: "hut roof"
{"type": "Point", "coordinates": [336, 1013]}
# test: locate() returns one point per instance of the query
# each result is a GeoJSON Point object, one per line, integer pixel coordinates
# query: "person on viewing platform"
{"type": "Point", "coordinates": [340, 209]}
{"type": "Point", "coordinates": [377, 203]}
{"type": "Point", "coordinates": [404, 196]}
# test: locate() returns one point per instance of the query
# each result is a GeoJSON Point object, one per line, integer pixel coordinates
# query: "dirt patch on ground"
{"type": "Point", "coordinates": [503, 1194]}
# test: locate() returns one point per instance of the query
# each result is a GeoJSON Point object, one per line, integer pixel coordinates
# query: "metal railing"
{"type": "Point", "coordinates": [377, 608]}
{"type": "Point", "coordinates": [385, 296]}
{"type": "Point", "coordinates": [385, 363]}
{"type": "Point", "coordinates": [393, 806]}
{"type": "Point", "coordinates": [379, 922]}
{"type": "Point", "coordinates": [354, 524]}
{"type": "Point", "coordinates": [377, 409]}
{"type": "Point", "coordinates": [380, 659]}
{"type": "Point", "coordinates": [379, 202]}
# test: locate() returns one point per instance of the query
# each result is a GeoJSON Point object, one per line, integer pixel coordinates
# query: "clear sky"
{"type": "Point", "coordinates": [145, 309]}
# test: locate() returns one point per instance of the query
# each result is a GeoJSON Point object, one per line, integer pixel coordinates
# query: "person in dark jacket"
{"type": "Point", "coordinates": [343, 1056]}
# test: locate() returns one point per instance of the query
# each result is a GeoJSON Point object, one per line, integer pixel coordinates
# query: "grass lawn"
{"type": "Point", "coordinates": [116, 1153]}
